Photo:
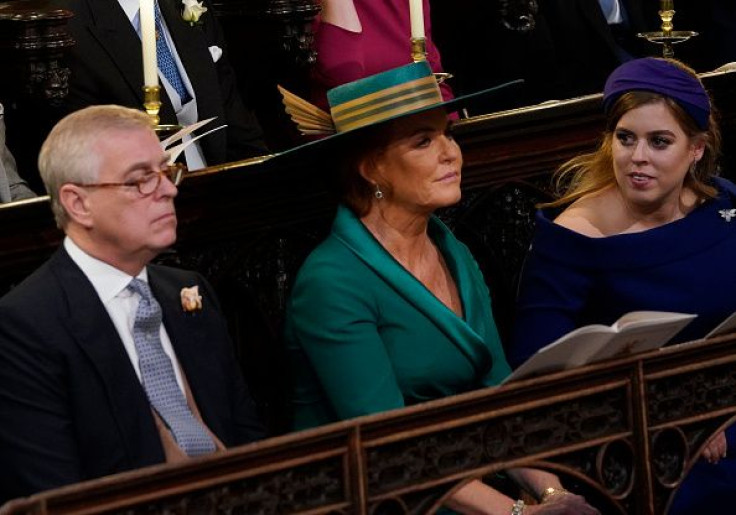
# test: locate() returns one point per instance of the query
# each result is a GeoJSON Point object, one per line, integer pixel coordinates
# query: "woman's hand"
{"type": "Point", "coordinates": [555, 499]}
{"type": "Point", "coordinates": [564, 503]}
{"type": "Point", "coordinates": [715, 449]}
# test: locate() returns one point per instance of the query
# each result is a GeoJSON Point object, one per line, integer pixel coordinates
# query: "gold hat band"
{"type": "Point", "coordinates": [386, 104]}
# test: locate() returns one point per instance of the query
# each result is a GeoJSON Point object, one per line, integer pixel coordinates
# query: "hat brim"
{"type": "Point", "coordinates": [312, 148]}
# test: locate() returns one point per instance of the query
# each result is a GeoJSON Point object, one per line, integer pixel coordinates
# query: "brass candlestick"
{"type": "Point", "coordinates": [666, 13]}
{"type": "Point", "coordinates": [418, 49]}
{"type": "Point", "coordinates": [152, 102]}
{"type": "Point", "coordinates": [667, 36]}
{"type": "Point", "coordinates": [419, 53]}
{"type": "Point", "coordinates": [152, 105]}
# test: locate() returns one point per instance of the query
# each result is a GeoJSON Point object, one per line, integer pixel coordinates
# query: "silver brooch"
{"type": "Point", "coordinates": [727, 214]}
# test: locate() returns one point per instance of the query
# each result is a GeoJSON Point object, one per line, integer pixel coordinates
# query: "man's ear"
{"type": "Point", "coordinates": [76, 204]}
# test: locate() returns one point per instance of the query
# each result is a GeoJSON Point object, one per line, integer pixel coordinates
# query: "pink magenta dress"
{"type": "Point", "coordinates": [344, 56]}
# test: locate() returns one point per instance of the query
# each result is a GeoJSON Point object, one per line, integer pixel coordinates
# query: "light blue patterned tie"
{"type": "Point", "coordinates": [159, 380]}
{"type": "Point", "coordinates": [166, 62]}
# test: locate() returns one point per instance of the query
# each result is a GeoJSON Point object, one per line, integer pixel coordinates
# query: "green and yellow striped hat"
{"type": "Point", "coordinates": [401, 91]}
{"type": "Point", "coordinates": [366, 102]}
{"type": "Point", "coordinates": [384, 96]}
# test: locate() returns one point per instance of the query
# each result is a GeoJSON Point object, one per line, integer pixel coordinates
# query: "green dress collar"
{"type": "Point", "coordinates": [469, 333]}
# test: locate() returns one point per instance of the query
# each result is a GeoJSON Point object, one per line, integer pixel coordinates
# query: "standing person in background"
{"type": "Point", "coordinates": [12, 187]}
{"type": "Point", "coordinates": [110, 363]}
{"type": "Point", "coordinates": [197, 80]}
{"type": "Point", "coordinates": [465, 30]}
{"type": "Point", "coordinates": [358, 38]}
{"type": "Point", "coordinates": [561, 48]}
{"type": "Point", "coordinates": [589, 38]}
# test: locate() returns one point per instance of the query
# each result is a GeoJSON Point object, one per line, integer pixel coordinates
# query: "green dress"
{"type": "Point", "coordinates": [364, 336]}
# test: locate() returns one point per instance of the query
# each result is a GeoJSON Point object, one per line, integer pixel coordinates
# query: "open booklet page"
{"type": "Point", "coordinates": [634, 332]}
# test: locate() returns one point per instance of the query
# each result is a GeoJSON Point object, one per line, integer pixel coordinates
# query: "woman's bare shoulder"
{"type": "Point", "coordinates": [586, 216]}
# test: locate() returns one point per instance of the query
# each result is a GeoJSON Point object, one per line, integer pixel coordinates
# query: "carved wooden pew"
{"type": "Point", "coordinates": [630, 435]}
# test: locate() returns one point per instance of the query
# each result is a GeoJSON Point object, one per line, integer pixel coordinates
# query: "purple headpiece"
{"type": "Point", "coordinates": [663, 77]}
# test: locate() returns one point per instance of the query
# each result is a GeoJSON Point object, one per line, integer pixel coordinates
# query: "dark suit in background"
{"type": "Point", "coordinates": [71, 405]}
{"type": "Point", "coordinates": [480, 50]}
{"type": "Point", "coordinates": [569, 51]}
{"type": "Point", "coordinates": [107, 68]}
{"type": "Point", "coordinates": [586, 49]}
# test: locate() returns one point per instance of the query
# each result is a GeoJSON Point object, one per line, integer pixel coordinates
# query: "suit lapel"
{"type": "Point", "coordinates": [192, 47]}
{"type": "Point", "coordinates": [116, 35]}
{"type": "Point", "coordinates": [188, 335]}
{"type": "Point", "coordinates": [91, 326]}
{"type": "Point", "coordinates": [195, 56]}
{"type": "Point", "coordinates": [114, 32]}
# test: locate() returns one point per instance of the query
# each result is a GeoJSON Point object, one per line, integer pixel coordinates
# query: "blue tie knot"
{"type": "Point", "coordinates": [140, 287]}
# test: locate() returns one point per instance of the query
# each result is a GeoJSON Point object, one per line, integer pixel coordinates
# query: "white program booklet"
{"type": "Point", "coordinates": [634, 332]}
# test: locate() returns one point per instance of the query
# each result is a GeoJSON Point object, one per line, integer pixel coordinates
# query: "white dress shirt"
{"type": "Point", "coordinates": [185, 114]}
{"type": "Point", "coordinates": [121, 304]}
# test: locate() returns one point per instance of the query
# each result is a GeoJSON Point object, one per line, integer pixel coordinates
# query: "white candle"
{"type": "Point", "coordinates": [416, 14]}
{"type": "Point", "coordinates": [148, 43]}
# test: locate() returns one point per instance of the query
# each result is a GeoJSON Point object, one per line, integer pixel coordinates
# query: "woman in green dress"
{"type": "Point", "coordinates": [391, 309]}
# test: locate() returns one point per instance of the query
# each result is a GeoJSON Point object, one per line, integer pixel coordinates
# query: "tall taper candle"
{"type": "Point", "coordinates": [416, 15]}
{"type": "Point", "coordinates": [148, 43]}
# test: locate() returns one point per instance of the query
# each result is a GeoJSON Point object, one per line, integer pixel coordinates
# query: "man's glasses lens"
{"type": "Point", "coordinates": [172, 173]}
{"type": "Point", "coordinates": [146, 185]}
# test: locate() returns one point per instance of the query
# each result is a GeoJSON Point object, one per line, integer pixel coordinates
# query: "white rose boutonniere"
{"type": "Point", "coordinates": [193, 10]}
{"type": "Point", "coordinates": [191, 300]}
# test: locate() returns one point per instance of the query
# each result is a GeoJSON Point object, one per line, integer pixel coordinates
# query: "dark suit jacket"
{"type": "Point", "coordinates": [570, 51]}
{"type": "Point", "coordinates": [71, 405]}
{"type": "Point", "coordinates": [585, 49]}
{"type": "Point", "coordinates": [480, 52]}
{"type": "Point", "coordinates": [107, 68]}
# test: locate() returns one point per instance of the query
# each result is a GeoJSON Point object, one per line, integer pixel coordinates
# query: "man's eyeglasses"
{"type": "Point", "coordinates": [147, 184]}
